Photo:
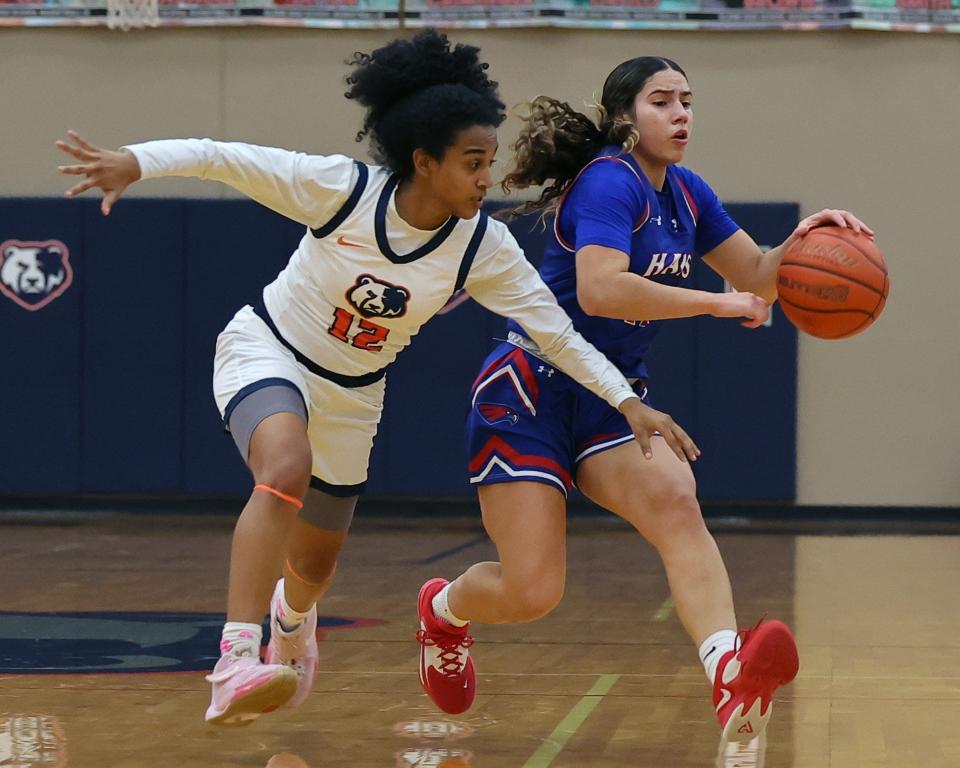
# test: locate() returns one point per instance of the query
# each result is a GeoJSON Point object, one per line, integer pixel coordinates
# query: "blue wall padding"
{"type": "Point", "coordinates": [132, 375]}
{"type": "Point", "coordinates": [42, 354]}
{"type": "Point", "coordinates": [107, 389]}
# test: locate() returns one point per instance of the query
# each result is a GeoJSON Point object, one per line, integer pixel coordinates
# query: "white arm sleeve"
{"type": "Point", "coordinates": [306, 188]}
{"type": "Point", "coordinates": [506, 283]}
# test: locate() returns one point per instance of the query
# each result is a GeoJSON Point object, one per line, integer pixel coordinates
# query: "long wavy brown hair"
{"type": "Point", "coordinates": [557, 141]}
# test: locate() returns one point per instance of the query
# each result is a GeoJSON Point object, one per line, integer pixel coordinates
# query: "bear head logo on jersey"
{"type": "Point", "coordinates": [373, 297]}
{"type": "Point", "coordinates": [34, 273]}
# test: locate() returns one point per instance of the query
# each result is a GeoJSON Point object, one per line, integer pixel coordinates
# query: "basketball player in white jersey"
{"type": "Point", "coordinates": [299, 378]}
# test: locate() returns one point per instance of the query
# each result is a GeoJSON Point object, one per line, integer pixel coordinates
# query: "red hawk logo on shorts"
{"type": "Point", "coordinates": [494, 413]}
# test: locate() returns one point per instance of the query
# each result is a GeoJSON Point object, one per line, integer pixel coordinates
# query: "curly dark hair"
{"type": "Point", "coordinates": [421, 93]}
{"type": "Point", "coordinates": [557, 141]}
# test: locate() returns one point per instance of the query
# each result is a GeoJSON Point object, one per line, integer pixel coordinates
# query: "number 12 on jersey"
{"type": "Point", "coordinates": [356, 331]}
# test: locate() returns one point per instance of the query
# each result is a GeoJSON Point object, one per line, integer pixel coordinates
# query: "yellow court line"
{"type": "Point", "coordinates": [555, 742]}
{"type": "Point", "coordinates": [664, 611]}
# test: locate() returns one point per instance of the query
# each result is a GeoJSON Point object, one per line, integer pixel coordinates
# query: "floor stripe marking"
{"type": "Point", "coordinates": [568, 726]}
{"type": "Point", "coordinates": [664, 611]}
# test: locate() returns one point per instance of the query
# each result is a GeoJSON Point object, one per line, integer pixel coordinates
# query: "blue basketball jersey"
{"type": "Point", "coordinates": [611, 203]}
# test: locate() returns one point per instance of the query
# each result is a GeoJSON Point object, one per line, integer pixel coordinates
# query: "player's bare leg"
{"type": "Point", "coordinates": [658, 497]}
{"type": "Point", "coordinates": [280, 459]}
{"type": "Point", "coordinates": [308, 570]}
{"type": "Point", "coordinates": [527, 522]}
{"type": "Point", "coordinates": [310, 565]}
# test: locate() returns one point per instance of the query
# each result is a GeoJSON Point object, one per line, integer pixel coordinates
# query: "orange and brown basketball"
{"type": "Point", "coordinates": [833, 283]}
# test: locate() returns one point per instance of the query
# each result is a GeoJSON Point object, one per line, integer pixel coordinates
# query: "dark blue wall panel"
{"type": "Point", "coordinates": [41, 353]}
{"type": "Point", "coordinates": [133, 347]}
{"type": "Point", "coordinates": [232, 249]}
{"type": "Point", "coordinates": [107, 389]}
{"type": "Point", "coordinates": [746, 386]}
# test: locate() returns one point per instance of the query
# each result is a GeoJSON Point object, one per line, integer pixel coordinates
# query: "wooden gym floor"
{"type": "Point", "coordinates": [608, 679]}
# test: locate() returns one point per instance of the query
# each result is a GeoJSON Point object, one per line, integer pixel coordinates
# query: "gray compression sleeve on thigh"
{"type": "Point", "coordinates": [257, 406]}
{"type": "Point", "coordinates": [326, 512]}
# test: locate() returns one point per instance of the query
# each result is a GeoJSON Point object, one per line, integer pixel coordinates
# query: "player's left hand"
{"type": "Point", "coordinates": [109, 170]}
{"type": "Point", "coordinates": [646, 422]}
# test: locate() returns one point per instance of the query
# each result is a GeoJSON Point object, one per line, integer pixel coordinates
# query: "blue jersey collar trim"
{"type": "Point", "coordinates": [380, 229]}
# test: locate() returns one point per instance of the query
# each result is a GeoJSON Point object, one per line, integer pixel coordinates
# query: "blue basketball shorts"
{"type": "Point", "coordinates": [530, 422]}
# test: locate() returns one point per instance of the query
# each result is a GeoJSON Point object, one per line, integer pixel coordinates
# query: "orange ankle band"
{"type": "Point", "coordinates": [284, 497]}
{"type": "Point", "coordinates": [300, 578]}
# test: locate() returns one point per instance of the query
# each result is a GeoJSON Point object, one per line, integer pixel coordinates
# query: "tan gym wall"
{"type": "Point", "coordinates": [866, 121]}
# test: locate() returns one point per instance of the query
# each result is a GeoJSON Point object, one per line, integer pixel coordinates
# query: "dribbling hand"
{"type": "Point", "coordinates": [646, 421]}
{"type": "Point", "coordinates": [825, 218]}
{"type": "Point", "coordinates": [108, 170]}
{"type": "Point", "coordinates": [831, 216]}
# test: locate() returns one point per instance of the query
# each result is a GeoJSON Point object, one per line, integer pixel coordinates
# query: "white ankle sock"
{"type": "Point", "coordinates": [713, 649]}
{"type": "Point", "coordinates": [241, 639]}
{"type": "Point", "coordinates": [290, 619]}
{"type": "Point", "coordinates": [442, 610]}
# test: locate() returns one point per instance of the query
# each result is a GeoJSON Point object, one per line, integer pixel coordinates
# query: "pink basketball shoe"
{"type": "Point", "coordinates": [297, 650]}
{"type": "Point", "coordinates": [244, 688]}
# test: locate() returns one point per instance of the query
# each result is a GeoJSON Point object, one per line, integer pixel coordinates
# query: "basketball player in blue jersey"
{"type": "Point", "coordinates": [299, 378]}
{"type": "Point", "coordinates": [630, 227]}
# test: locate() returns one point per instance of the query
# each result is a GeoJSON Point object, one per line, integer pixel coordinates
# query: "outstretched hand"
{"type": "Point", "coordinates": [108, 170]}
{"type": "Point", "coordinates": [647, 422]}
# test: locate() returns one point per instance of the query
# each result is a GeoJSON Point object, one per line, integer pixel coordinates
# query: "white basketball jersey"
{"type": "Point", "coordinates": [362, 281]}
{"type": "Point", "coordinates": [355, 294]}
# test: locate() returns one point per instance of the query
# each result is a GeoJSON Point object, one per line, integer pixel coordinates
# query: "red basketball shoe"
{"type": "Point", "coordinates": [447, 673]}
{"type": "Point", "coordinates": [747, 677]}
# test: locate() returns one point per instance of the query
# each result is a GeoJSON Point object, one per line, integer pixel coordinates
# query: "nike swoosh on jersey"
{"type": "Point", "coordinates": [342, 241]}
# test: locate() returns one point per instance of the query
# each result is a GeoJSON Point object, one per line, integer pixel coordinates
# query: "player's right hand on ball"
{"type": "Point", "coordinates": [748, 305]}
{"type": "Point", "coordinates": [109, 170]}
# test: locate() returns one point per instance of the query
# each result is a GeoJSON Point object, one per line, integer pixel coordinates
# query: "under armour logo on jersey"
{"type": "Point", "coordinates": [373, 297]}
{"type": "Point", "coordinates": [495, 413]}
{"type": "Point", "coordinates": [549, 371]}
{"type": "Point", "coordinates": [657, 219]}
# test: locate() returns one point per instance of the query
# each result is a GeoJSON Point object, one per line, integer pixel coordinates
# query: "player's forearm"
{"type": "Point", "coordinates": [192, 158]}
{"type": "Point", "coordinates": [626, 296]}
{"type": "Point", "coordinates": [520, 293]}
{"type": "Point", "coordinates": [253, 170]}
{"type": "Point", "coordinates": [763, 280]}
{"type": "Point", "coordinates": [583, 362]}
{"type": "Point", "coordinates": [268, 175]}
{"type": "Point", "coordinates": [245, 168]}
